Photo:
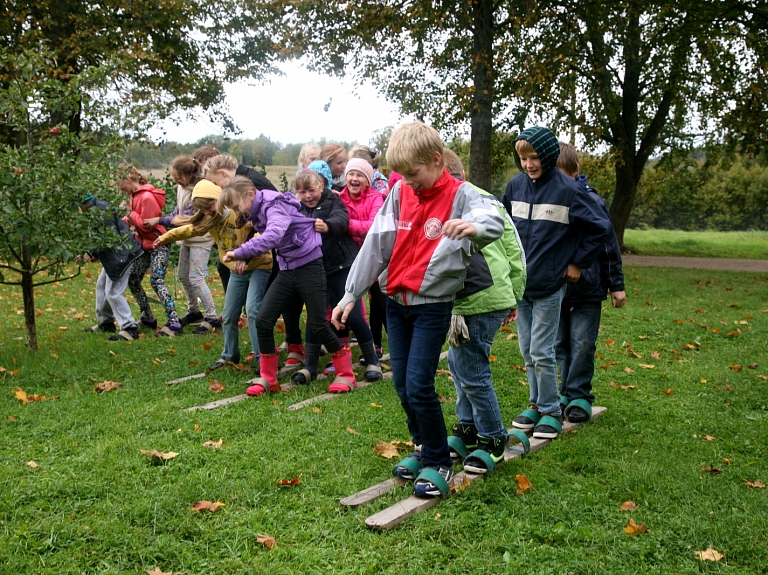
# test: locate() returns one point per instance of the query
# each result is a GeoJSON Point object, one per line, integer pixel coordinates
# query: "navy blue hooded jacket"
{"type": "Point", "coordinates": [559, 223]}
{"type": "Point", "coordinates": [605, 274]}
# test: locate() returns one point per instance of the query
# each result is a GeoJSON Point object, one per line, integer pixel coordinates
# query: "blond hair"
{"type": "Point", "coordinates": [232, 194]}
{"type": "Point", "coordinates": [524, 148]}
{"type": "Point", "coordinates": [453, 163]}
{"type": "Point", "coordinates": [568, 161]}
{"type": "Point", "coordinates": [308, 153]}
{"type": "Point", "coordinates": [187, 167]}
{"type": "Point", "coordinates": [204, 153]}
{"type": "Point", "coordinates": [370, 155]}
{"type": "Point", "coordinates": [330, 151]}
{"type": "Point", "coordinates": [199, 220]}
{"type": "Point", "coordinates": [413, 143]}
{"type": "Point", "coordinates": [220, 162]}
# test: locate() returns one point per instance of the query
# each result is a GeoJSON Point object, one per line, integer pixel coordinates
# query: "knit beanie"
{"type": "Point", "coordinates": [207, 190]}
{"type": "Point", "coordinates": [321, 167]}
{"type": "Point", "coordinates": [362, 166]}
{"type": "Point", "coordinates": [544, 143]}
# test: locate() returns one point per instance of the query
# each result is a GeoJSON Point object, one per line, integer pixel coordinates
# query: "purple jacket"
{"type": "Point", "coordinates": [277, 218]}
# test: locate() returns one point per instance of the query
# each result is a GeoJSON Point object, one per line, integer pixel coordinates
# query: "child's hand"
{"type": "Point", "coordinates": [618, 298]}
{"type": "Point", "coordinates": [512, 316]}
{"type": "Point", "coordinates": [228, 257]}
{"type": "Point", "coordinates": [151, 222]}
{"type": "Point", "coordinates": [339, 316]}
{"type": "Point", "coordinates": [572, 273]}
{"type": "Point", "coordinates": [321, 226]}
{"type": "Point", "coordinates": [157, 243]}
{"type": "Point", "coordinates": [239, 268]}
{"type": "Point", "coordinates": [458, 229]}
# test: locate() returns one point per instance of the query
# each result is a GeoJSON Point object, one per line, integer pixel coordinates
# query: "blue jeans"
{"type": "Point", "coordinates": [575, 349]}
{"type": "Point", "coordinates": [470, 367]}
{"type": "Point", "coordinates": [537, 324]}
{"type": "Point", "coordinates": [247, 289]}
{"type": "Point", "coordinates": [416, 336]}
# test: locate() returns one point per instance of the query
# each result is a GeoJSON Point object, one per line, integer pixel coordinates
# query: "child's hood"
{"type": "Point", "coordinates": [149, 188]}
{"type": "Point", "coordinates": [545, 144]}
{"type": "Point", "coordinates": [322, 168]}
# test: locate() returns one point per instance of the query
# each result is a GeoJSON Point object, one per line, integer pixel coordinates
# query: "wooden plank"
{"type": "Point", "coordinates": [183, 379]}
{"type": "Point", "coordinates": [219, 403]}
{"type": "Point", "coordinates": [327, 396]}
{"type": "Point", "coordinates": [283, 371]}
{"type": "Point", "coordinates": [371, 493]}
{"type": "Point", "coordinates": [400, 511]}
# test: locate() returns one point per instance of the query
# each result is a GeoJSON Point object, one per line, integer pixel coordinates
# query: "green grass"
{"type": "Point", "coordinates": [740, 245]}
{"type": "Point", "coordinates": [96, 505]}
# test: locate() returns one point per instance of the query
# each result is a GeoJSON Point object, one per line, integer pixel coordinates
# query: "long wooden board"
{"type": "Point", "coordinates": [400, 511]}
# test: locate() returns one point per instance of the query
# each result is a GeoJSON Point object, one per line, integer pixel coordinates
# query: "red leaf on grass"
{"type": "Point", "coordinates": [629, 506]}
{"type": "Point", "coordinates": [216, 386]}
{"type": "Point", "coordinates": [206, 506]}
{"type": "Point", "coordinates": [294, 481]}
{"type": "Point", "coordinates": [266, 540]}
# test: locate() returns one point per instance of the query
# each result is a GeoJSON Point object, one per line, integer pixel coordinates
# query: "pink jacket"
{"type": "Point", "coordinates": [361, 212]}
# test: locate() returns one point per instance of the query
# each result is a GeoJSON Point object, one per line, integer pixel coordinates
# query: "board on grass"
{"type": "Point", "coordinates": [285, 370]}
{"type": "Point", "coordinates": [395, 514]}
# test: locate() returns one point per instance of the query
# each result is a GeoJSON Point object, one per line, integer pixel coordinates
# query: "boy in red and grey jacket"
{"type": "Point", "coordinates": [419, 247]}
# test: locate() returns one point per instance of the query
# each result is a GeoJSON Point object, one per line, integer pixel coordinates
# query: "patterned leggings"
{"type": "Point", "coordinates": [157, 262]}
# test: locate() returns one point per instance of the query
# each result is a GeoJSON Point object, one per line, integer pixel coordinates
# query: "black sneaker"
{"type": "Point", "coordinates": [108, 327]}
{"type": "Point", "coordinates": [548, 427]}
{"type": "Point", "coordinates": [222, 363]}
{"type": "Point", "coordinates": [208, 326]}
{"type": "Point", "coordinates": [493, 446]}
{"type": "Point", "coordinates": [467, 432]}
{"type": "Point", "coordinates": [425, 488]}
{"type": "Point", "coordinates": [577, 415]}
{"type": "Point", "coordinates": [191, 317]}
{"type": "Point", "coordinates": [148, 323]}
{"type": "Point", "coordinates": [528, 419]}
{"type": "Point", "coordinates": [127, 334]}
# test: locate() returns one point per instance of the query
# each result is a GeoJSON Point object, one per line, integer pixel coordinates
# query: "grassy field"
{"type": "Point", "coordinates": [739, 245]}
{"type": "Point", "coordinates": [680, 443]}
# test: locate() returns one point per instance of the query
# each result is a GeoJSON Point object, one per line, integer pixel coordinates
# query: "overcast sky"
{"type": "Point", "coordinates": [290, 109]}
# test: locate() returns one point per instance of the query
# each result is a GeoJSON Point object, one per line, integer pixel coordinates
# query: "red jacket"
{"type": "Point", "coordinates": [146, 202]}
{"type": "Point", "coordinates": [361, 212]}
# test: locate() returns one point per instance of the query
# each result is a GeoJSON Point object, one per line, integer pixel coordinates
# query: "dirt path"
{"type": "Point", "coordinates": [700, 263]}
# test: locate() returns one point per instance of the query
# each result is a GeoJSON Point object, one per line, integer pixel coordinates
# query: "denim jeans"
{"type": "Point", "coordinates": [416, 336]}
{"type": "Point", "coordinates": [470, 367]}
{"type": "Point", "coordinates": [111, 304]}
{"type": "Point", "coordinates": [575, 349]}
{"type": "Point", "coordinates": [247, 289]}
{"type": "Point", "coordinates": [537, 324]}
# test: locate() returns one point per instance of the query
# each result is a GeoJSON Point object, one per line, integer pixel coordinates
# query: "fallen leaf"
{"type": "Point", "coordinates": [32, 464]}
{"type": "Point", "coordinates": [763, 377]}
{"type": "Point", "coordinates": [523, 484]}
{"type": "Point", "coordinates": [617, 386]}
{"type": "Point", "coordinates": [726, 460]}
{"type": "Point", "coordinates": [206, 346]}
{"type": "Point", "coordinates": [106, 386]}
{"type": "Point", "coordinates": [11, 418]}
{"type": "Point", "coordinates": [629, 506]}
{"type": "Point", "coordinates": [678, 321]}
{"type": "Point", "coordinates": [752, 366]}
{"type": "Point", "coordinates": [702, 380]}
{"type": "Point", "coordinates": [443, 372]}
{"type": "Point", "coordinates": [387, 450]}
{"type": "Point", "coordinates": [21, 395]}
{"type": "Point", "coordinates": [733, 333]}
{"type": "Point", "coordinates": [214, 444]}
{"type": "Point", "coordinates": [385, 367]}
{"type": "Point", "coordinates": [266, 540]}
{"type": "Point", "coordinates": [55, 356]}
{"type": "Point", "coordinates": [352, 431]}
{"type": "Point", "coordinates": [196, 428]}
{"type": "Point", "coordinates": [442, 398]}
{"type": "Point", "coordinates": [156, 571]}
{"type": "Point", "coordinates": [605, 367]}
{"type": "Point", "coordinates": [294, 481]}
{"type": "Point", "coordinates": [609, 341]}
{"type": "Point", "coordinates": [633, 528]}
{"type": "Point", "coordinates": [629, 370]}
{"type": "Point", "coordinates": [216, 386]}
{"type": "Point", "coordinates": [646, 365]}
{"type": "Point", "coordinates": [711, 469]}
{"type": "Point", "coordinates": [631, 351]}
{"type": "Point", "coordinates": [669, 391]}
{"type": "Point", "coordinates": [655, 355]}
{"type": "Point", "coordinates": [436, 517]}
{"type": "Point", "coordinates": [206, 505]}
{"type": "Point", "coordinates": [457, 487]}
{"type": "Point", "coordinates": [62, 328]}
{"type": "Point", "coordinates": [159, 455]}
{"type": "Point", "coordinates": [709, 555]}
{"type": "Point", "coordinates": [376, 405]}
{"type": "Point", "coordinates": [735, 368]}
{"type": "Point", "coordinates": [643, 336]}
{"type": "Point", "coordinates": [193, 363]}
{"type": "Point", "coordinates": [520, 368]}
{"type": "Point", "coordinates": [709, 438]}
{"type": "Point", "coordinates": [715, 330]}
{"type": "Point", "coordinates": [756, 484]}
{"type": "Point", "coordinates": [512, 336]}
{"type": "Point", "coordinates": [317, 409]}
{"type": "Point", "coordinates": [506, 328]}
{"type": "Point", "coordinates": [491, 358]}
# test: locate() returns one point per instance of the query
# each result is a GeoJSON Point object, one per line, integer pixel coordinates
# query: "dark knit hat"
{"type": "Point", "coordinates": [545, 144]}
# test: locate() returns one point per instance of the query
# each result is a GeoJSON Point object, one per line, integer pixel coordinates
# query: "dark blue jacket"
{"type": "Point", "coordinates": [559, 223]}
{"type": "Point", "coordinates": [117, 260]}
{"type": "Point", "coordinates": [605, 273]}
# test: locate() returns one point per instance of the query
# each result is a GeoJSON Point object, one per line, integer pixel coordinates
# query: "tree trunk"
{"type": "Point", "coordinates": [481, 115]}
{"type": "Point", "coordinates": [623, 198]}
{"type": "Point", "coordinates": [28, 293]}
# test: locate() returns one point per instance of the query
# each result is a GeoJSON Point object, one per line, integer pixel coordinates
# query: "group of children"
{"type": "Point", "coordinates": [440, 258]}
